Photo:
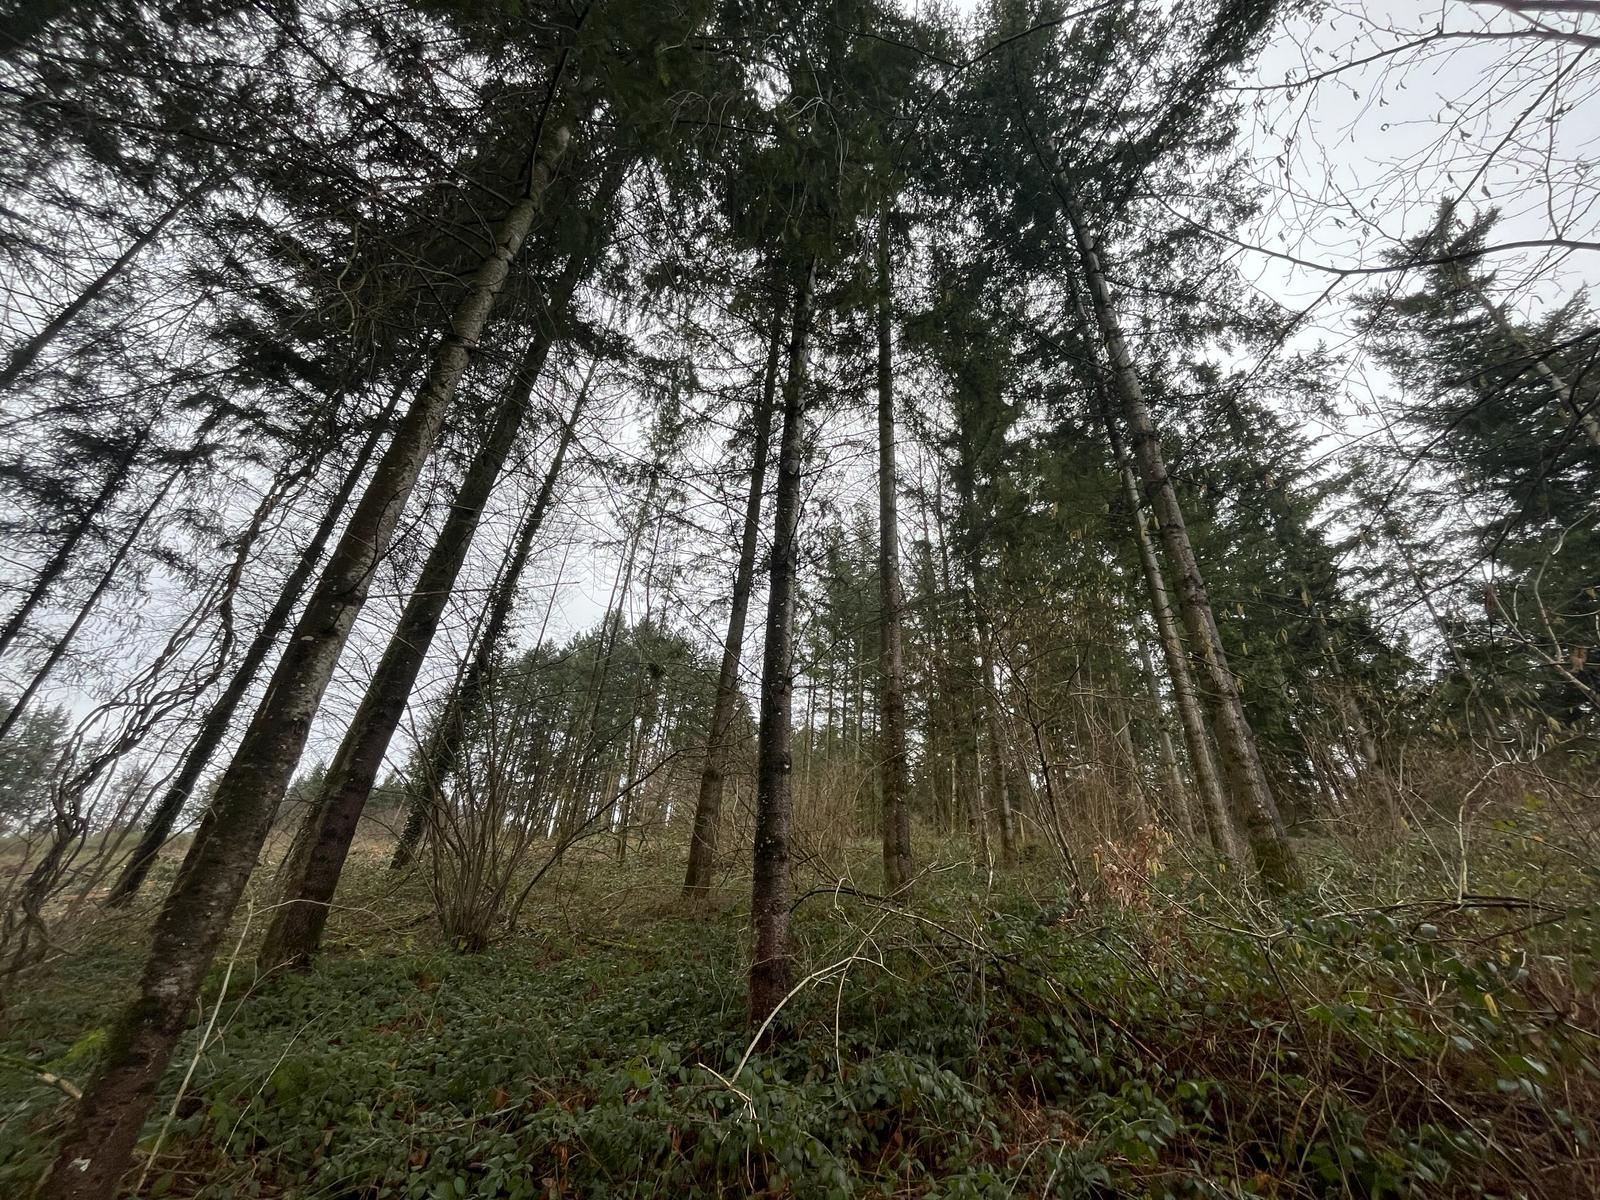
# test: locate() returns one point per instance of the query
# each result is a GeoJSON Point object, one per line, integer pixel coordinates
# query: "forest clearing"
{"type": "Point", "coordinates": [747, 598]}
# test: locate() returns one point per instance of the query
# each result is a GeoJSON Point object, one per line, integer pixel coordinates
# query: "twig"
{"type": "Point", "coordinates": [66, 1087]}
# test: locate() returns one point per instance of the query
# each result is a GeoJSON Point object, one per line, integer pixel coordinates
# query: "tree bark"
{"type": "Point", "coordinates": [769, 968]}
{"type": "Point", "coordinates": [1269, 844]}
{"type": "Point", "coordinates": [897, 862]}
{"type": "Point", "coordinates": [938, 736]}
{"type": "Point", "coordinates": [1129, 777]}
{"type": "Point", "coordinates": [647, 694]}
{"type": "Point", "coordinates": [94, 1154]}
{"type": "Point", "coordinates": [708, 807]}
{"type": "Point", "coordinates": [220, 718]}
{"type": "Point", "coordinates": [999, 788]}
{"type": "Point", "coordinates": [310, 876]}
{"type": "Point", "coordinates": [963, 682]}
{"type": "Point", "coordinates": [643, 726]}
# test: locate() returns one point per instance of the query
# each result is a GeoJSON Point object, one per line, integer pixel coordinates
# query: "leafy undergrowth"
{"type": "Point", "coordinates": [988, 1041]}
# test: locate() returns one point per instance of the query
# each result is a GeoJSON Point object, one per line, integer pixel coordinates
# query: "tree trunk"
{"type": "Point", "coordinates": [999, 788]}
{"type": "Point", "coordinates": [708, 808]}
{"type": "Point", "coordinates": [582, 814]}
{"type": "Point", "coordinates": [444, 744]}
{"type": "Point", "coordinates": [648, 706]}
{"type": "Point", "coordinates": [220, 718]}
{"type": "Point", "coordinates": [1185, 697]}
{"type": "Point", "coordinates": [892, 771]}
{"type": "Point", "coordinates": [309, 878]}
{"type": "Point", "coordinates": [1177, 794]}
{"type": "Point", "coordinates": [963, 683]}
{"type": "Point", "coordinates": [646, 698]}
{"type": "Point", "coordinates": [1132, 781]}
{"type": "Point", "coordinates": [94, 1154]}
{"type": "Point", "coordinates": [938, 738]}
{"type": "Point", "coordinates": [769, 905]}
{"type": "Point", "coordinates": [988, 694]}
{"type": "Point", "coordinates": [1269, 844]}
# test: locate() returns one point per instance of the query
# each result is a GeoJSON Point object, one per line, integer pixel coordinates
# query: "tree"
{"type": "Point", "coordinates": [897, 862]}
{"type": "Point", "coordinates": [309, 878]}
{"type": "Point", "coordinates": [106, 1124]}
{"type": "Point", "coordinates": [441, 752]}
{"type": "Point", "coordinates": [215, 726]}
{"type": "Point", "coordinates": [770, 962]}
{"type": "Point", "coordinates": [708, 806]}
{"type": "Point", "coordinates": [27, 759]}
{"type": "Point", "coordinates": [1506, 410]}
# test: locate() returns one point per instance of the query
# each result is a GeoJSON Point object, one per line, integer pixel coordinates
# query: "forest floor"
{"type": "Point", "coordinates": [1376, 1036]}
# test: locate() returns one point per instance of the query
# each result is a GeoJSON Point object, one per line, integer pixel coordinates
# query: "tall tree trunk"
{"type": "Point", "coordinates": [964, 684]}
{"type": "Point", "coordinates": [24, 355]}
{"type": "Point", "coordinates": [596, 747]}
{"type": "Point", "coordinates": [309, 878]}
{"type": "Point", "coordinates": [1269, 844]}
{"type": "Point", "coordinates": [220, 717]}
{"type": "Point", "coordinates": [443, 747]}
{"type": "Point", "coordinates": [708, 808]}
{"type": "Point", "coordinates": [942, 730]}
{"type": "Point", "coordinates": [1131, 781]}
{"type": "Point", "coordinates": [769, 903]}
{"type": "Point", "coordinates": [1185, 696]}
{"type": "Point", "coordinates": [94, 1154]}
{"type": "Point", "coordinates": [987, 692]}
{"type": "Point", "coordinates": [892, 771]}
{"type": "Point", "coordinates": [646, 701]}
{"type": "Point", "coordinates": [648, 708]}
{"type": "Point", "coordinates": [938, 738]}
{"type": "Point", "coordinates": [1220, 825]}
{"type": "Point", "coordinates": [58, 561]}
{"type": "Point", "coordinates": [1177, 794]}
{"type": "Point", "coordinates": [998, 772]}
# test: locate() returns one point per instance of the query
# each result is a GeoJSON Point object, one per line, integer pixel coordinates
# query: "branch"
{"type": "Point", "coordinates": [1525, 9]}
{"type": "Point", "coordinates": [1554, 243]}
